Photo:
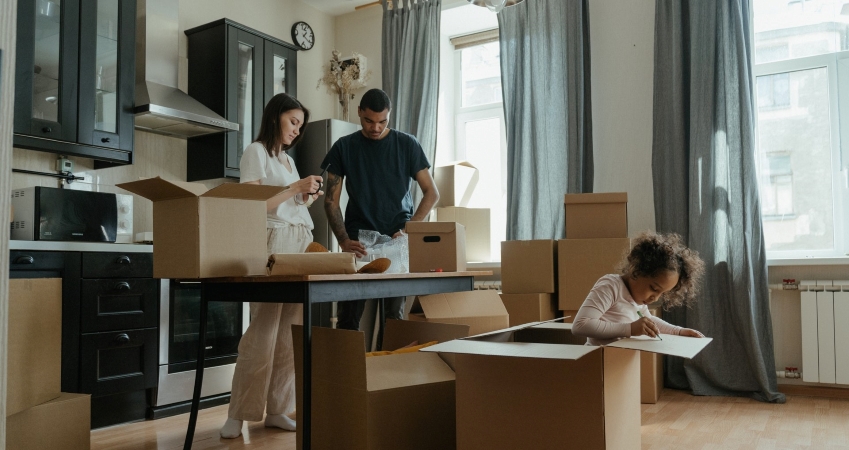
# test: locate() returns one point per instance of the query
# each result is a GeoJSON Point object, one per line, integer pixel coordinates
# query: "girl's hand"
{"type": "Point", "coordinates": [689, 332]}
{"type": "Point", "coordinates": [307, 185]}
{"type": "Point", "coordinates": [644, 327]}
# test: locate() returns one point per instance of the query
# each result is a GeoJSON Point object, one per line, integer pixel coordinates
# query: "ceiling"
{"type": "Point", "coordinates": [338, 7]}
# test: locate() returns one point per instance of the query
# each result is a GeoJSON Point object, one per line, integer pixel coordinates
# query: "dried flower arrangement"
{"type": "Point", "coordinates": [344, 78]}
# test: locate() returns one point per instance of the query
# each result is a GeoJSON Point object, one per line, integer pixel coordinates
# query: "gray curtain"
{"type": "Point", "coordinates": [410, 53]}
{"type": "Point", "coordinates": [545, 76]}
{"type": "Point", "coordinates": [706, 190]}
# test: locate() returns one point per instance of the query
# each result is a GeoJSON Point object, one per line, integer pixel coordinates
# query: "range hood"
{"type": "Point", "coordinates": [160, 106]}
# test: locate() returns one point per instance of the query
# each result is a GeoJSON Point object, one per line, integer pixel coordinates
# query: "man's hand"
{"type": "Point", "coordinates": [354, 247]}
{"type": "Point", "coordinates": [644, 326]}
{"type": "Point", "coordinates": [399, 233]}
{"type": "Point", "coordinates": [689, 332]}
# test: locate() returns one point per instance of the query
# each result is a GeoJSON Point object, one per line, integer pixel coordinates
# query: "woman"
{"type": "Point", "coordinates": [265, 370]}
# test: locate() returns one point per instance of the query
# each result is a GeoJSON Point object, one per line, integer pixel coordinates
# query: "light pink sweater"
{"type": "Point", "coordinates": [608, 311]}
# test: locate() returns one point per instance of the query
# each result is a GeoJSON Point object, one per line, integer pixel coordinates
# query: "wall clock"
{"type": "Point", "coordinates": [302, 35]}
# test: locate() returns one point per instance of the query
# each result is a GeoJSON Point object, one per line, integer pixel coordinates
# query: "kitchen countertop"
{"type": "Point", "coordinates": [79, 246]}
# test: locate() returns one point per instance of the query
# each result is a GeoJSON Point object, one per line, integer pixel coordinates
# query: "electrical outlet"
{"type": "Point", "coordinates": [64, 165]}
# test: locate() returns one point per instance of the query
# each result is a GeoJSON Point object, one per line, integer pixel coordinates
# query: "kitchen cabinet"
{"type": "Point", "coordinates": [234, 70]}
{"type": "Point", "coordinates": [75, 78]}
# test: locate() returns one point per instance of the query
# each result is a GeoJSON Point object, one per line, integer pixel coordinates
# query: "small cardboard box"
{"type": "Point", "coordinates": [477, 224]}
{"type": "Point", "coordinates": [529, 267]}
{"type": "Point", "coordinates": [312, 263]}
{"type": "Point", "coordinates": [481, 310]}
{"type": "Point", "coordinates": [437, 246]}
{"type": "Point", "coordinates": [527, 308]}
{"type": "Point", "coordinates": [456, 182]}
{"type": "Point", "coordinates": [203, 233]}
{"type": "Point", "coordinates": [403, 401]}
{"type": "Point", "coordinates": [582, 262]}
{"type": "Point", "coordinates": [63, 423]}
{"type": "Point", "coordinates": [591, 216]}
{"type": "Point", "coordinates": [558, 395]}
{"type": "Point", "coordinates": [34, 358]}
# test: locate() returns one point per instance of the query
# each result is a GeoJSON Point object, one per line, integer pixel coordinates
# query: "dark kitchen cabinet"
{"type": "Point", "coordinates": [75, 78]}
{"type": "Point", "coordinates": [234, 70]}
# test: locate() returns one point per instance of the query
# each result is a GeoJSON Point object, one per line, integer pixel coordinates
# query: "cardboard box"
{"type": "Point", "coordinates": [203, 233]}
{"type": "Point", "coordinates": [34, 358]}
{"type": "Point", "coordinates": [312, 263]}
{"type": "Point", "coordinates": [403, 401]}
{"type": "Point", "coordinates": [591, 216]}
{"type": "Point", "coordinates": [651, 373]}
{"type": "Point", "coordinates": [437, 246]}
{"type": "Point", "coordinates": [63, 423]}
{"type": "Point", "coordinates": [456, 182]}
{"type": "Point", "coordinates": [529, 267]}
{"type": "Point", "coordinates": [581, 262]}
{"type": "Point", "coordinates": [518, 389]}
{"type": "Point", "coordinates": [481, 310]}
{"type": "Point", "coordinates": [526, 308]}
{"type": "Point", "coordinates": [477, 224]}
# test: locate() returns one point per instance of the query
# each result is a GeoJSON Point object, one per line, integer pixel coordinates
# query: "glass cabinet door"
{"type": "Point", "coordinates": [45, 75]}
{"type": "Point", "coordinates": [245, 102]}
{"type": "Point", "coordinates": [280, 70]}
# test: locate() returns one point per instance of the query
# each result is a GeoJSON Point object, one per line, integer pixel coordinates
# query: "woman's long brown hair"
{"type": "Point", "coordinates": [269, 130]}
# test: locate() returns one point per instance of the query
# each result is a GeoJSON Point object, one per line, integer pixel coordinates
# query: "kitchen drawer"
{"type": "Point", "coordinates": [119, 304]}
{"type": "Point", "coordinates": [119, 361]}
{"type": "Point", "coordinates": [36, 261]}
{"type": "Point", "coordinates": [117, 265]}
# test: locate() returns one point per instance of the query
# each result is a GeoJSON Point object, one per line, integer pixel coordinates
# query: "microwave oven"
{"type": "Point", "coordinates": [52, 214]}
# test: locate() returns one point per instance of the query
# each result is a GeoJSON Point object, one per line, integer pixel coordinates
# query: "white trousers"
{"type": "Point", "coordinates": [265, 368]}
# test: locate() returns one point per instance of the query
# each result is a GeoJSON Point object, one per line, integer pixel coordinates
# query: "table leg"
{"type": "Point", "coordinates": [306, 417]}
{"type": "Point", "coordinates": [381, 313]}
{"type": "Point", "coordinates": [193, 415]}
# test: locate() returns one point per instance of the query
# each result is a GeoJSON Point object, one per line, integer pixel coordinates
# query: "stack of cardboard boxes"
{"type": "Point", "coordinates": [38, 415]}
{"type": "Point", "coordinates": [456, 183]}
{"type": "Point", "coordinates": [529, 280]}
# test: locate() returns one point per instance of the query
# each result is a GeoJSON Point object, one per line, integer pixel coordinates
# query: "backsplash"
{"type": "Point", "coordinates": [155, 156]}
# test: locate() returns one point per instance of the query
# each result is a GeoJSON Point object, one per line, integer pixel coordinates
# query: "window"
{"type": "Point", "coordinates": [802, 86]}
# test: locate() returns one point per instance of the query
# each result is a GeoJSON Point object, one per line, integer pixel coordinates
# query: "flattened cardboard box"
{"type": "Point", "coordinates": [311, 263]}
{"type": "Point", "coordinates": [581, 263]}
{"type": "Point", "coordinates": [403, 401]}
{"type": "Point", "coordinates": [529, 267]}
{"type": "Point", "coordinates": [437, 246]}
{"type": "Point", "coordinates": [63, 423]}
{"type": "Point", "coordinates": [558, 396]}
{"type": "Point", "coordinates": [592, 216]}
{"type": "Point", "coordinates": [481, 310]}
{"type": "Point", "coordinates": [477, 224]}
{"type": "Point", "coordinates": [527, 308]}
{"type": "Point", "coordinates": [203, 233]}
{"type": "Point", "coordinates": [456, 182]}
{"type": "Point", "coordinates": [34, 358]}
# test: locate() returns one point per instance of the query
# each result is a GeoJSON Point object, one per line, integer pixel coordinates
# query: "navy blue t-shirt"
{"type": "Point", "coordinates": [378, 176]}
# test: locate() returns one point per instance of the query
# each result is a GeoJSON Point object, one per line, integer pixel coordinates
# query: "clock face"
{"type": "Point", "coordinates": [302, 35]}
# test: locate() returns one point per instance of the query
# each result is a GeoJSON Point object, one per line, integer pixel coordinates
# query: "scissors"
{"type": "Point", "coordinates": [321, 183]}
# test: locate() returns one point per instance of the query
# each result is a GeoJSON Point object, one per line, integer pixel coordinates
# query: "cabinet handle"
{"type": "Point", "coordinates": [46, 130]}
{"type": "Point", "coordinates": [25, 259]}
{"type": "Point", "coordinates": [122, 339]}
{"type": "Point", "coordinates": [123, 260]}
{"type": "Point", "coordinates": [104, 140]}
{"type": "Point", "coordinates": [122, 286]}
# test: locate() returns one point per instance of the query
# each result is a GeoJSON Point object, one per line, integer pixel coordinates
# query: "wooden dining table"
{"type": "Point", "coordinates": [310, 290]}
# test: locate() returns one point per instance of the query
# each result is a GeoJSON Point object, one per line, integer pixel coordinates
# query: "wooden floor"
{"type": "Point", "coordinates": [677, 421]}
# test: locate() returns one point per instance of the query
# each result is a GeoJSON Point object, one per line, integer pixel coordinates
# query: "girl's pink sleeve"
{"type": "Point", "coordinates": [664, 326]}
{"type": "Point", "coordinates": [588, 321]}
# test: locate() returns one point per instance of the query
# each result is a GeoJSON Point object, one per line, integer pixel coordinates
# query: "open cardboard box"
{"type": "Point", "coordinates": [402, 401]}
{"type": "Point", "coordinates": [62, 423]}
{"type": "Point", "coordinates": [481, 310]}
{"type": "Point", "coordinates": [204, 233]}
{"type": "Point", "coordinates": [318, 263]}
{"type": "Point", "coordinates": [456, 182]}
{"type": "Point", "coordinates": [517, 389]}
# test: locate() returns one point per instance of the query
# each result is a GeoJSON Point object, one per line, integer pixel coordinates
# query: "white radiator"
{"type": "Point", "coordinates": [825, 331]}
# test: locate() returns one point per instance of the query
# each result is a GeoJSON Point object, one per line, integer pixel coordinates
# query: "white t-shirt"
{"type": "Point", "coordinates": [255, 165]}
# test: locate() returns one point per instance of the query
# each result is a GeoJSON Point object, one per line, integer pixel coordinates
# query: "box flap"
{"type": "Point", "coordinates": [406, 369]}
{"type": "Point", "coordinates": [431, 227]}
{"type": "Point", "coordinates": [238, 191]}
{"type": "Point", "coordinates": [157, 189]}
{"type": "Point", "coordinates": [400, 333]}
{"type": "Point", "coordinates": [338, 356]}
{"type": "Point", "coordinates": [483, 303]}
{"type": "Point", "coordinates": [505, 335]}
{"type": "Point", "coordinates": [683, 346]}
{"type": "Point", "coordinates": [311, 263]}
{"type": "Point", "coordinates": [605, 197]}
{"type": "Point", "coordinates": [513, 349]}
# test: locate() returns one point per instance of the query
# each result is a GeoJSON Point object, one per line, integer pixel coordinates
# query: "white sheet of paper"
{"type": "Point", "coordinates": [683, 346]}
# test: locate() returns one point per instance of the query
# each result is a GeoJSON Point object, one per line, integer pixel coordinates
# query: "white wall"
{"type": "Point", "coordinates": [360, 31]}
{"type": "Point", "coordinates": [622, 52]}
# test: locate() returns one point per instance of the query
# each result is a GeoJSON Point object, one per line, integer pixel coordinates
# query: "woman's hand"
{"type": "Point", "coordinates": [689, 332]}
{"type": "Point", "coordinates": [644, 327]}
{"type": "Point", "coordinates": [307, 185]}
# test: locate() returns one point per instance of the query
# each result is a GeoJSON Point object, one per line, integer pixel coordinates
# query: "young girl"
{"type": "Point", "coordinates": [264, 379]}
{"type": "Point", "coordinates": [659, 267]}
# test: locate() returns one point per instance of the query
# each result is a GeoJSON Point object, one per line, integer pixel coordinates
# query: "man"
{"type": "Point", "coordinates": [378, 164]}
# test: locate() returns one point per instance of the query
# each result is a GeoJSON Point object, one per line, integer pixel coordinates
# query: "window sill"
{"type": "Point", "coordinates": [813, 261]}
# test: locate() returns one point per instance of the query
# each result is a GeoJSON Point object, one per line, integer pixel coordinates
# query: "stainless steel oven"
{"type": "Point", "coordinates": [178, 334]}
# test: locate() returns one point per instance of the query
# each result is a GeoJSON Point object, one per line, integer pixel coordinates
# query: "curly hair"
{"type": "Point", "coordinates": [653, 253]}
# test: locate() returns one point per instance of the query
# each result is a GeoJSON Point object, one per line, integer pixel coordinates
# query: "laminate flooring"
{"type": "Point", "coordinates": [678, 421]}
